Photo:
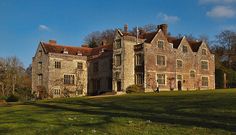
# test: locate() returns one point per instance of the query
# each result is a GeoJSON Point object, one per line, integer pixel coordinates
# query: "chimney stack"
{"type": "Point", "coordinates": [164, 28]}
{"type": "Point", "coordinates": [126, 28]}
{"type": "Point", "coordinates": [52, 42]}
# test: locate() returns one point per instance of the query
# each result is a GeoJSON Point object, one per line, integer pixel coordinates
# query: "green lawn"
{"type": "Point", "coordinates": [185, 113]}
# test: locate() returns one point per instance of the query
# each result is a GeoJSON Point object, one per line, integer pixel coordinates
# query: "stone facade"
{"type": "Point", "coordinates": [63, 71]}
{"type": "Point", "coordinates": [143, 59]}
{"type": "Point", "coordinates": [176, 64]}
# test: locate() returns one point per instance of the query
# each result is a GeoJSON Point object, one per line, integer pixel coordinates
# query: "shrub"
{"type": "Point", "coordinates": [3, 97]}
{"type": "Point", "coordinates": [134, 89]}
{"type": "Point", "coordinates": [12, 98]}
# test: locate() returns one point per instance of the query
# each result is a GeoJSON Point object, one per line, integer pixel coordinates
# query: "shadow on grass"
{"type": "Point", "coordinates": [157, 109]}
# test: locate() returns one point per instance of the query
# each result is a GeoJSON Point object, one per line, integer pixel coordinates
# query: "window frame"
{"type": "Point", "coordinates": [57, 64]}
{"type": "Point", "coordinates": [161, 46]}
{"type": "Point", "coordinates": [161, 62]}
{"type": "Point", "coordinates": [80, 65]}
{"type": "Point", "coordinates": [139, 59]}
{"type": "Point", "coordinates": [118, 63]}
{"type": "Point", "coordinates": [177, 64]}
{"type": "Point", "coordinates": [117, 46]}
{"type": "Point", "coordinates": [139, 79]}
{"type": "Point", "coordinates": [203, 66]}
{"type": "Point", "coordinates": [203, 83]}
{"type": "Point", "coordinates": [190, 74]}
{"type": "Point", "coordinates": [158, 79]}
{"type": "Point", "coordinates": [184, 49]}
{"type": "Point", "coordinates": [69, 79]}
{"type": "Point", "coordinates": [205, 51]}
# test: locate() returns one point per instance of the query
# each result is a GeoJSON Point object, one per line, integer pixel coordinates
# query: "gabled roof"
{"type": "Point", "coordinates": [195, 45]}
{"type": "Point", "coordinates": [85, 51]}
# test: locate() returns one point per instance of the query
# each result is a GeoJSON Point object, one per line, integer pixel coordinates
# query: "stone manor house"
{"type": "Point", "coordinates": [143, 59]}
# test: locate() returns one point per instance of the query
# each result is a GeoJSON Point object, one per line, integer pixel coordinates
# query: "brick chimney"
{"type": "Point", "coordinates": [52, 42]}
{"type": "Point", "coordinates": [164, 28]}
{"type": "Point", "coordinates": [126, 28]}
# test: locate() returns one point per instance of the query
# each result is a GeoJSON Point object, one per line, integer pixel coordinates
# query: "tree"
{"type": "Point", "coordinates": [98, 38]}
{"type": "Point", "coordinates": [227, 40]}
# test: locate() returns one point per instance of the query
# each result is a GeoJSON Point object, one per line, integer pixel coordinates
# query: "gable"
{"type": "Point", "coordinates": [182, 43]}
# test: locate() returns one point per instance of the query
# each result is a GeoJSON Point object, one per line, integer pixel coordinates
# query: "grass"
{"type": "Point", "coordinates": [197, 112]}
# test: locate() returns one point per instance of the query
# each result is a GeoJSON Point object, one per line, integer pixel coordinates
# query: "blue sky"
{"type": "Point", "coordinates": [23, 23]}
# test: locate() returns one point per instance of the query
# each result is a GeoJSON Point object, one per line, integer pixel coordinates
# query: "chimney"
{"type": "Point", "coordinates": [126, 28]}
{"type": "Point", "coordinates": [164, 28]}
{"type": "Point", "coordinates": [52, 42]}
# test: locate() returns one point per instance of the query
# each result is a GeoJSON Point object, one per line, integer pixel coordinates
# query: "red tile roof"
{"type": "Point", "coordinates": [85, 51]}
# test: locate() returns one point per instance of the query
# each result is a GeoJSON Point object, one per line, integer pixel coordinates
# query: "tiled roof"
{"type": "Point", "coordinates": [174, 40]}
{"type": "Point", "coordinates": [85, 51]}
{"type": "Point", "coordinates": [195, 45]}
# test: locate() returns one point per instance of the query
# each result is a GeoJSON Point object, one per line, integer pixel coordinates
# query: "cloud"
{"type": "Point", "coordinates": [216, 1]}
{"type": "Point", "coordinates": [229, 27]}
{"type": "Point", "coordinates": [167, 18]}
{"type": "Point", "coordinates": [221, 12]}
{"type": "Point", "coordinates": [43, 27]}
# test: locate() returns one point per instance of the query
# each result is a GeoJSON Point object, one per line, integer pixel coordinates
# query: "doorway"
{"type": "Point", "coordinates": [118, 85]}
{"type": "Point", "coordinates": [179, 85]}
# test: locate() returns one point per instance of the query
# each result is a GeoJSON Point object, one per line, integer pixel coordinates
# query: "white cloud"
{"type": "Point", "coordinates": [216, 1]}
{"type": "Point", "coordinates": [229, 27]}
{"type": "Point", "coordinates": [167, 18]}
{"type": "Point", "coordinates": [221, 12]}
{"type": "Point", "coordinates": [43, 27]}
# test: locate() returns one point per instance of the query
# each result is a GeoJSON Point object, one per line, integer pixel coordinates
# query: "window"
{"type": "Point", "coordinates": [118, 60]}
{"type": "Point", "coordinates": [40, 53]}
{"type": "Point", "coordinates": [179, 77]}
{"type": "Point", "coordinates": [40, 79]}
{"type": "Point", "coordinates": [95, 67]}
{"type": "Point", "coordinates": [192, 74]}
{"type": "Point", "coordinates": [80, 65]}
{"type": "Point", "coordinates": [185, 49]}
{"type": "Point", "coordinates": [139, 78]}
{"type": "Point", "coordinates": [117, 75]}
{"type": "Point", "coordinates": [179, 63]}
{"type": "Point", "coordinates": [160, 44]}
{"type": "Point", "coordinates": [138, 59]}
{"type": "Point", "coordinates": [204, 64]}
{"type": "Point", "coordinates": [69, 79]}
{"type": "Point", "coordinates": [39, 65]}
{"type": "Point", "coordinates": [161, 60]}
{"type": "Point", "coordinates": [57, 64]}
{"type": "Point", "coordinates": [57, 91]}
{"type": "Point", "coordinates": [203, 51]}
{"type": "Point", "coordinates": [118, 43]}
{"type": "Point", "coordinates": [161, 78]}
{"type": "Point", "coordinates": [204, 81]}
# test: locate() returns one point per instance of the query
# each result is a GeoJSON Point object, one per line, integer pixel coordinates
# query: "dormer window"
{"type": "Point", "coordinates": [185, 49]}
{"type": "Point", "coordinates": [65, 51]}
{"type": "Point", "coordinates": [204, 52]}
{"type": "Point", "coordinates": [79, 53]}
{"type": "Point", "coordinates": [160, 44]}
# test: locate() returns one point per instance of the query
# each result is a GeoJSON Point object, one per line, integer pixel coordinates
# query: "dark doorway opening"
{"type": "Point", "coordinates": [179, 85]}
{"type": "Point", "coordinates": [118, 85]}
